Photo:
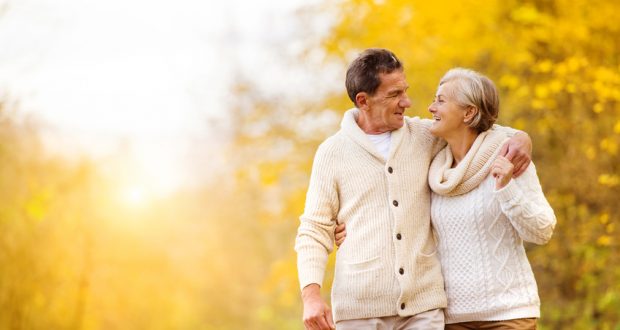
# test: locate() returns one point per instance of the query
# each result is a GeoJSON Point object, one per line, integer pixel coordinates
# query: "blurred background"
{"type": "Point", "coordinates": [154, 155]}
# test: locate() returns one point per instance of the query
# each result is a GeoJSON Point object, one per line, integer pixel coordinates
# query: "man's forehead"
{"type": "Point", "coordinates": [397, 85]}
{"type": "Point", "coordinates": [394, 80]}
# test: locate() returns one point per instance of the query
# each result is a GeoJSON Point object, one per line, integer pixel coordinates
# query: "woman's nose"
{"type": "Point", "coordinates": [431, 108]}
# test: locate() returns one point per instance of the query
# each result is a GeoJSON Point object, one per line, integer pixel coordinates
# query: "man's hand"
{"type": "Point", "coordinates": [317, 315]}
{"type": "Point", "coordinates": [340, 234]}
{"type": "Point", "coordinates": [518, 150]}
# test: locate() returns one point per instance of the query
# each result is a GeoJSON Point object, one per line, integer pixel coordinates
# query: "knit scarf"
{"type": "Point", "coordinates": [470, 172]}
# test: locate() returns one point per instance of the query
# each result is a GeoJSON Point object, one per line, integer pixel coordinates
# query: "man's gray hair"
{"type": "Point", "coordinates": [363, 72]}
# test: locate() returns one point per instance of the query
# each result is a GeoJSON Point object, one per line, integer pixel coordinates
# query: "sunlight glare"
{"type": "Point", "coordinates": [134, 196]}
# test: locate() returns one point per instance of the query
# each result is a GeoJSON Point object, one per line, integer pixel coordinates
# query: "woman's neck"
{"type": "Point", "coordinates": [460, 143]}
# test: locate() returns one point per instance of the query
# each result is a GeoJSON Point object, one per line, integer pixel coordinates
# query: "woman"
{"type": "Point", "coordinates": [480, 213]}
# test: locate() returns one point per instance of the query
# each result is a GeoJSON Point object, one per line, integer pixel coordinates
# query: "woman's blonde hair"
{"type": "Point", "coordinates": [472, 89]}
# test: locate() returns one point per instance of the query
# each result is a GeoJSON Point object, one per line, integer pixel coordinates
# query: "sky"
{"type": "Point", "coordinates": [148, 80]}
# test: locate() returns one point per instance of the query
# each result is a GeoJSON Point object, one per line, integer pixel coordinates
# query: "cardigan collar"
{"type": "Point", "coordinates": [469, 173]}
{"type": "Point", "coordinates": [350, 127]}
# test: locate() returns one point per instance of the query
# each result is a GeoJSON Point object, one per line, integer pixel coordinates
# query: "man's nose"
{"type": "Point", "coordinates": [405, 102]}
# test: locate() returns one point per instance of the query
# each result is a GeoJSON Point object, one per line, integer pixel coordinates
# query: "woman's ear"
{"type": "Point", "coordinates": [361, 99]}
{"type": "Point", "coordinates": [470, 114]}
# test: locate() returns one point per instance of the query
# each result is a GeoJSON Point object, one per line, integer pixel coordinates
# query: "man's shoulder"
{"type": "Point", "coordinates": [417, 125]}
{"type": "Point", "coordinates": [417, 121]}
{"type": "Point", "coordinates": [332, 143]}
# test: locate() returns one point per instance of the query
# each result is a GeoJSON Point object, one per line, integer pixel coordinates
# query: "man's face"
{"type": "Point", "coordinates": [387, 106]}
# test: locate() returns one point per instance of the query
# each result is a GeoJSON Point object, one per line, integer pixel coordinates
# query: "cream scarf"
{"type": "Point", "coordinates": [470, 172]}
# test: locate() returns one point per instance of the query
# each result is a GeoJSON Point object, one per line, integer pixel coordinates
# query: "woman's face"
{"type": "Point", "coordinates": [449, 117]}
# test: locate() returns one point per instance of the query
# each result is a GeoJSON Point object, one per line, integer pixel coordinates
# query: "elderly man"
{"type": "Point", "coordinates": [372, 175]}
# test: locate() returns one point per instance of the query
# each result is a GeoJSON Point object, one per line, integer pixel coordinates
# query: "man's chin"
{"type": "Point", "coordinates": [399, 125]}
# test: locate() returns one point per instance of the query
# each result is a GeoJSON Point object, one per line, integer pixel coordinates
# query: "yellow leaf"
{"type": "Point", "coordinates": [555, 86]}
{"type": "Point", "coordinates": [270, 172]}
{"type": "Point", "coordinates": [509, 81]}
{"type": "Point", "coordinates": [598, 108]}
{"type": "Point", "coordinates": [608, 180]}
{"type": "Point", "coordinates": [610, 146]}
{"type": "Point", "coordinates": [538, 104]}
{"type": "Point", "coordinates": [541, 91]}
{"type": "Point", "coordinates": [526, 14]}
{"type": "Point", "coordinates": [604, 240]}
{"type": "Point", "coordinates": [610, 228]}
{"type": "Point", "coordinates": [604, 218]}
{"type": "Point", "coordinates": [37, 206]}
{"type": "Point", "coordinates": [545, 66]}
{"type": "Point", "coordinates": [519, 124]}
{"type": "Point", "coordinates": [574, 63]}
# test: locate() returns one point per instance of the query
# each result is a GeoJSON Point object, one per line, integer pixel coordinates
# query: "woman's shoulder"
{"type": "Point", "coordinates": [529, 177]}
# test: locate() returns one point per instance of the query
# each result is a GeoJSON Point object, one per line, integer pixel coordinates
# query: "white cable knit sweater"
{"type": "Point", "coordinates": [480, 233]}
{"type": "Point", "coordinates": [388, 265]}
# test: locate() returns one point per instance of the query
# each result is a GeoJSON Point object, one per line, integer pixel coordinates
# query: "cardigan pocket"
{"type": "Point", "coordinates": [363, 265]}
{"type": "Point", "coordinates": [427, 269]}
{"type": "Point", "coordinates": [364, 279]}
{"type": "Point", "coordinates": [430, 248]}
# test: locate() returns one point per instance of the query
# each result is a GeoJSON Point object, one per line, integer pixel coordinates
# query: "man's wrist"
{"type": "Point", "coordinates": [521, 134]}
{"type": "Point", "coordinates": [526, 140]}
{"type": "Point", "coordinates": [310, 291]}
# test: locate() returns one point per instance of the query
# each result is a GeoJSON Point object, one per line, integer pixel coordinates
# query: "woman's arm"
{"type": "Point", "coordinates": [523, 202]}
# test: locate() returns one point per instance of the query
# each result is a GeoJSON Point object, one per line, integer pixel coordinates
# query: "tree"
{"type": "Point", "coordinates": [556, 65]}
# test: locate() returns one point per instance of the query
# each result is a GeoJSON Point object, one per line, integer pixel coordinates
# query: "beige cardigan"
{"type": "Point", "coordinates": [387, 265]}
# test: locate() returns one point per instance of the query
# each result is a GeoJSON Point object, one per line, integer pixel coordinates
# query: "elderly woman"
{"type": "Point", "coordinates": [480, 213]}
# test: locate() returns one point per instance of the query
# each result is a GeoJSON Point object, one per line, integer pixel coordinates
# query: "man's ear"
{"type": "Point", "coordinates": [361, 99]}
{"type": "Point", "coordinates": [470, 114]}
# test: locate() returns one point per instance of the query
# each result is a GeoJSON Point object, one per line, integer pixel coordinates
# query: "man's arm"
{"type": "Point", "coordinates": [518, 149]}
{"type": "Point", "coordinates": [315, 240]}
{"type": "Point", "coordinates": [437, 143]}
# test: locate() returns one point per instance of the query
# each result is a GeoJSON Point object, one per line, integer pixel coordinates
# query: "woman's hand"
{"type": "Point", "coordinates": [502, 170]}
{"type": "Point", "coordinates": [341, 234]}
{"type": "Point", "coordinates": [518, 150]}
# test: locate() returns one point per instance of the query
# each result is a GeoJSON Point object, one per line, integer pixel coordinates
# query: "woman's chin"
{"type": "Point", "coordinates": [435, 131]}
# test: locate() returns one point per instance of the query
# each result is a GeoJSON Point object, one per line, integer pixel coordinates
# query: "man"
{"type": "Point", "coordinates": [372, 175]}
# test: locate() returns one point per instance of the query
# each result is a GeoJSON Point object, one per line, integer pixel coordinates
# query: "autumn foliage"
{"type": "Point", "coordinates": [221, 256]}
